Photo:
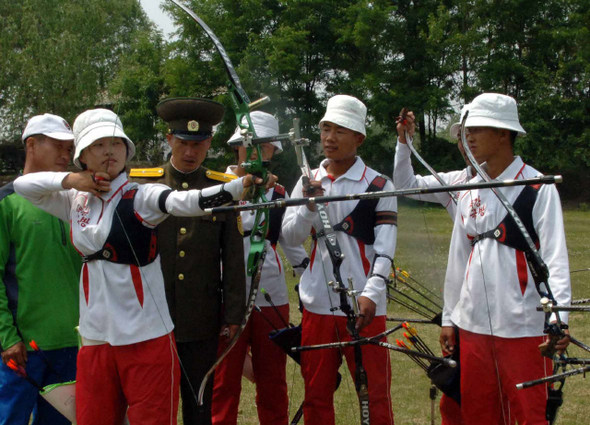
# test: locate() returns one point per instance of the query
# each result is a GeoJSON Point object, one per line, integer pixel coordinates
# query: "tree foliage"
{"type": "Point", "coordinates": [430, 55]}
{"type": "Point", "coordinates": [60, 57]}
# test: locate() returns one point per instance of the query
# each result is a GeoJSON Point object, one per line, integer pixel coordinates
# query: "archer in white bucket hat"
{"type": "Point", "coordinates": [96, 124]}
{"type": "Point", "coordinates": [265, 125]}
{"type": "Point", "coordinates": [494, 110]}
{"type": "Point", "coordinates": [346, 111]}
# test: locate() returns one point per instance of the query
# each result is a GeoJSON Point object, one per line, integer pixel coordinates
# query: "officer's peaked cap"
{"type": "Point", "coordinates": [191, 118]}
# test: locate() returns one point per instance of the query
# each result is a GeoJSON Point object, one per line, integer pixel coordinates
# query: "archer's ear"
{"type": "Point", "coordinates": [360, 140]}
{"type": "Point", "coordinates": [29, 144]}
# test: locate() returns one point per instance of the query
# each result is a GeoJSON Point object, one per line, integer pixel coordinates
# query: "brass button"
{"type": "Point", "coordinates": [182, 231]}
{"type": "Point", "coordinates": [185, 185]}
{"type": "Point", "coordinates": [181, 253]}
{"type": "Point", "coordinates": [180, 276]}
{"type": "Point", "coordinates": [214, 218]}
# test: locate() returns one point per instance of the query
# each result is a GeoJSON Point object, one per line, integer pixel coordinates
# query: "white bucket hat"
{"type": "Point", "coordinates": [95, 124]}
{"type": "Point", "coordinates": [494, 110]}
{"type": "Point", "coordinates": [456, 128]}
{"type": "Point", "coordinates": [49, 125]}
{"type": "Point", "coordinates": [346, 111]}
{"type": "Point", "coordinates": [265, 125]}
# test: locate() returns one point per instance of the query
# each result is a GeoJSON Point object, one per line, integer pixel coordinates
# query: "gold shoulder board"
{"type": "Point", "coordinates": [146, 172]}
{"type": "Point", "coordinates": [220, 177]}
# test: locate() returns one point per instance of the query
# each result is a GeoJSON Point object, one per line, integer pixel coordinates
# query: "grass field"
{"type": "Point", "coordinates": [423, 240]}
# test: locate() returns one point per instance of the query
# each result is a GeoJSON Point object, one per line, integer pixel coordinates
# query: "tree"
{"type": "Point", "coordinates": [136, 90]}
{"type": "Point", "coordinates": [59, 57]}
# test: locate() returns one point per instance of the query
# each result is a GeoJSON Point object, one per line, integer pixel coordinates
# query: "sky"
{"type": "Point", "coordinates": [152, 8]}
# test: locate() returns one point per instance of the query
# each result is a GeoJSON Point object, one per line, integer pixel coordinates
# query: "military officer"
{"type": "Point", "coordinates": [204, 302]}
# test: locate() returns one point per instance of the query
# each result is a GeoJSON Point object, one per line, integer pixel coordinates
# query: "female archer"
{"type": "Point", "coordinates": [128, 362]}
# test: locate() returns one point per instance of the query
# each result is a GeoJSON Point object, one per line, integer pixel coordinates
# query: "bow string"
{"type": "Point", "coordinates": [241, 105]}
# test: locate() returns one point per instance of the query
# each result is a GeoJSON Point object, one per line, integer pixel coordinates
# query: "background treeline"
{"type": "Point", "coordinates": [429, 55]}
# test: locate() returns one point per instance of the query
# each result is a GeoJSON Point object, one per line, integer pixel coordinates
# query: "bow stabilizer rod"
{"type": "Point", "coordinates": [293, 202]}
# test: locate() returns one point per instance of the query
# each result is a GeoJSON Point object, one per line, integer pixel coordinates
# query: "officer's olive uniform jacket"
{"type": "Point", "coordinates": [192, 251]}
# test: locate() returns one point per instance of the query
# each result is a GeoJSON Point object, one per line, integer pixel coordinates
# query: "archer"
{"type": "Point", "coordinates": [365, 235]}
{"type": "Point", "coordinates": [128, 356]}
{"type": "Point", "coordinates": [494, 277]}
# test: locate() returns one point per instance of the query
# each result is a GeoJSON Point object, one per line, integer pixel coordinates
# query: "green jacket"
{"type": "Point", "coordinates": [39, 273]}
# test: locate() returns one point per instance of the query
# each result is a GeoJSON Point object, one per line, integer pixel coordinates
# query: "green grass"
{"type": "Point", "coordinates": [423, 240]}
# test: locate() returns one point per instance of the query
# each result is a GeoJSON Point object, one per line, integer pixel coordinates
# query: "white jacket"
{"type": "Point", "coordinates": [119, 303]}
{"type": "Point", "coordinates": [492, 282]}
{"type": "Point", "coordinates": [316, 296]}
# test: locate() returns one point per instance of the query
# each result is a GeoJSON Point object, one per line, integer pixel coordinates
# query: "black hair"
{"type": "Point", "coordinates": [513, 135]}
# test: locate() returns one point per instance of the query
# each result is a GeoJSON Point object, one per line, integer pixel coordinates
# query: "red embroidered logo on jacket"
{"type": "Point", "coordinates": [476, 207]}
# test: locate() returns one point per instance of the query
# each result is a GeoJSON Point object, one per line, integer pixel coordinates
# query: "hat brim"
{"type": "Point", "coordinates": [343, 122]}
{"type": "Point", "coordinates": [55, 135]}
{"type": "Point", "coordinates": [455, 130]}
{"type": "Point", "coordinates": [476, 121]}
{"type": "Point", "coordinates": [60, 135]}
{"type": "Point", "coordinates": [104, 131]}
{"type": "Point", "coordinates": [192, 137]}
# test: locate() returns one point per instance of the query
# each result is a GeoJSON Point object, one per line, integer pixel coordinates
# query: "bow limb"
{"type": "Point", "coordinates": [410, 143]}
{"type": "Point", "coordinates": [241, 106]}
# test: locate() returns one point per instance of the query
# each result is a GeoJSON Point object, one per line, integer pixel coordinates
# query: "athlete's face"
{"type": "Point", "coordinates": [108, 154]}
{"type": "Point", "coordinates": [484, 142]}
{"type": "Point", "coordinates": [267, 149]}
{"type": "Point", "coordinates": [339, 143]}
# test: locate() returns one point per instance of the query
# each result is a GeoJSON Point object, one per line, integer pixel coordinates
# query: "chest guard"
{"type": "Point", "coordinates": [361, 222]}
{"type": "Point", "coordinates": [123, 245]}
{"type": "Point", "coordinates": [507, 232]}
{"type": "Point", "coordinates": [275, 217]}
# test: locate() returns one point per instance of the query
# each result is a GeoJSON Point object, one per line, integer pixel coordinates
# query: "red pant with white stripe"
{"type": "Point", "coordinates": [144, 376]}
{"type": "Point", "coordinates": [490, 369]}
{"type": "Point", "coordinates": [319, 368]}
{"type": "Point", "coordinates": [269, 363]}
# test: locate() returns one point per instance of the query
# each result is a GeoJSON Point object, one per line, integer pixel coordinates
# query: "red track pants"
{"type": "Point", "coordinates": [450, 411]}
{"type": "Point", "coordinates": [319, 368]}
{"type": "Point", "coordinates": [144, 376]}
{"type": "Point", "coordinates": [488, 385]}
{"type": "Point", "coordinates": [269, 362]}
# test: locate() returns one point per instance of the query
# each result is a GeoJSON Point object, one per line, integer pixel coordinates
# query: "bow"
{"type": "Point", "coordinates": [242, 106]}
{"type": "Point", "coordinates": [328, 234]}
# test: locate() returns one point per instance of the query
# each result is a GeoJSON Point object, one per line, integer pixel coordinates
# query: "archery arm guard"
{"type": "Point", "coordinates": [372, 273]}
{"type": "Point", "coordinates": [216, 196]}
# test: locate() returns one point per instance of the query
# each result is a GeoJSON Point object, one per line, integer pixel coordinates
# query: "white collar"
{"type": "Point", "coordinates": [355, 173]}
{"type": "Point", "coordinates": [116, 185]}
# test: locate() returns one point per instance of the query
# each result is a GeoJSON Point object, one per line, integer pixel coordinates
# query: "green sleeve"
{"type": "Point", "coordinates": [8, 332]}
